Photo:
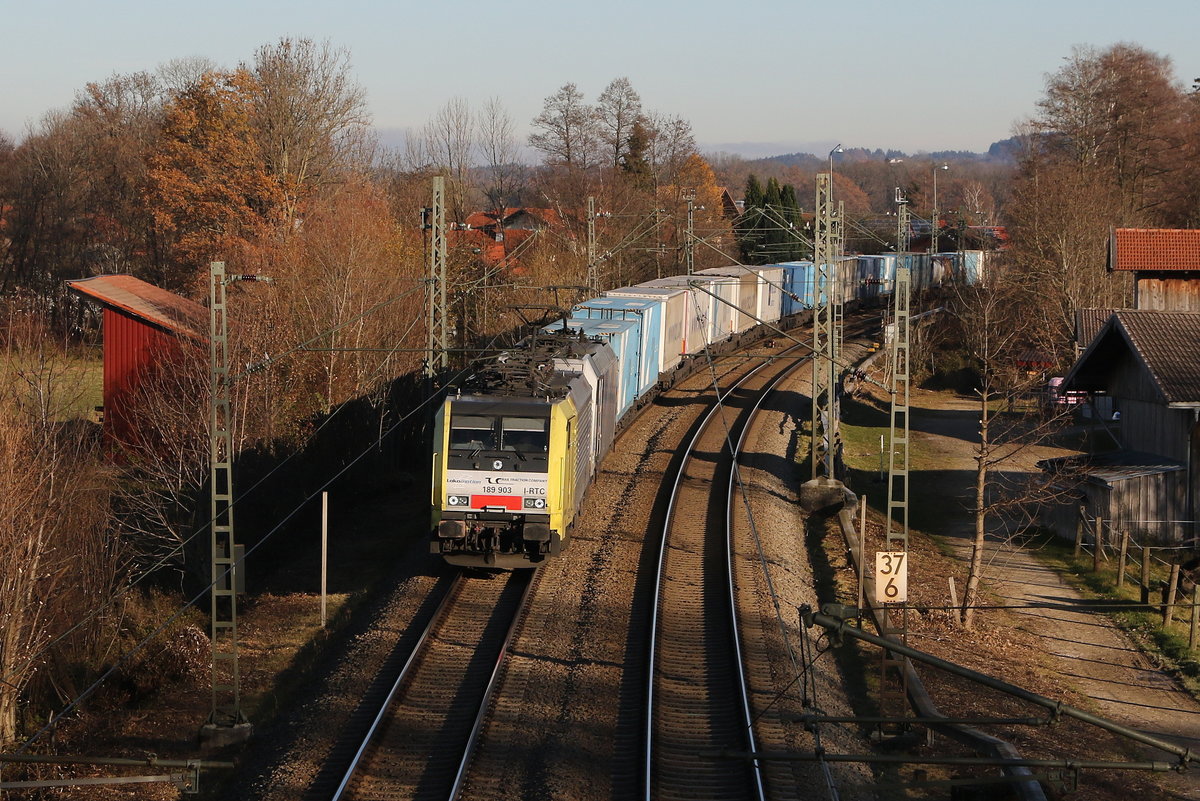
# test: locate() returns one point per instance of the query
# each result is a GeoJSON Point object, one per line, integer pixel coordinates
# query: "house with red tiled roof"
{"type": "Point", "coordinates": [498, 236]}
{"type": "Point", "coordinates": [493, 247]}
{"type": "Point", "coordinates": [510, 219]}
{"type": "Point", "coordinates": [145, 331]}
{"type": "Point", "coordinates": [1165, 263]}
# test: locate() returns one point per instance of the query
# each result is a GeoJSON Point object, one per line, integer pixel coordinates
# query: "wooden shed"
{"type": "Point", "coordinates": [145, 329]}
{"type": "Point", "coordinates": [1139, 493]}
{"type": "Point", "coordinates": [1148, 364]}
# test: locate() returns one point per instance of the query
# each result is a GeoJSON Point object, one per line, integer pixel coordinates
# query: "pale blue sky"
{"type": "Point", "coordinates": [916, 75]}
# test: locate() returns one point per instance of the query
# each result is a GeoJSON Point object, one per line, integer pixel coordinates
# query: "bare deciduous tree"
{"type": "Point", "coordinates": [58, 557]}
{"type": "Point", "coordinates": [617, 109]}
{"type": "Point", "coordinates": [178, 74]}
{"type": "Point", "coordinates": [993, 331]}
{"type": "Point", "coordinates": [565, 130]}
{"type": "Point", "coordinates": [310, 116]}
{"type": "Point", "coordinates": [671, 143]}
{"type": "Point", "coordinates": [449, 139]}
{"type": "Point", "coordinates": [498, 142]}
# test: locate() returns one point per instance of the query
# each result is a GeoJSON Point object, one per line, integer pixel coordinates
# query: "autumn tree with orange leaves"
{"type": "Point", "coordinates": [209, 190]}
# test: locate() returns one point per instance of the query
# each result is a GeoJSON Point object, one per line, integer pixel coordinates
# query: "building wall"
{"type": "Point", "coordinates": [1154, 428]}
{"type": "Point", "coordinates": [1153, 509]}
{"type": "Point", "coordinates": [132, 350]}
{"type": "Point", "coordinates": [1171, 292]}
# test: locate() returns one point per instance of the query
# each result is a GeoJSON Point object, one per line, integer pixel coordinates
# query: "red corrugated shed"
{"type": "Point", "coordinates": [143, 329]}
{"type": "Point", "coordinates": [1154, 249]}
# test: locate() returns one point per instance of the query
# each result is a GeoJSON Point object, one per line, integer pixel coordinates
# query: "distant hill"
{"type": "Point", "coordinates": [1002, 151]}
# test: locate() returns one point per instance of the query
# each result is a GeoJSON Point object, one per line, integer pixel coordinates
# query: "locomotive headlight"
{"type": "Point", "coordinates": [535, 503]}
{"type": "Point", "coordinates": [458, 500]}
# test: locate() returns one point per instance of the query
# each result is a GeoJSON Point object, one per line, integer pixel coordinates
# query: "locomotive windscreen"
{"type": "Point", "coordinates": [527, 434]}
{"type": "Point", "coordinates": [486, 433]}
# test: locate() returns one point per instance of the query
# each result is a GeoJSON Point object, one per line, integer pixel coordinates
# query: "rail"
{"type": "Point", "coordinates": [652, 700]}
{"type": "Point", "coordinates": [438, 615]}
{"type": "Point", "coordinates": [463, 648]}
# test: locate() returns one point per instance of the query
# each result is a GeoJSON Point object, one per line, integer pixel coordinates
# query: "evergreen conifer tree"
{"type": "Point", "coordinates": [746, 229]}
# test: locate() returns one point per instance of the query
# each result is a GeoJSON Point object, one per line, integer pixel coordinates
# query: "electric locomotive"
{"type": "Point", "coordinates": [514, 451]}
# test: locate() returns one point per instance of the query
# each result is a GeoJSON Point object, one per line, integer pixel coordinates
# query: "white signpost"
{"type": "Point", "coordinates": [891, 577]}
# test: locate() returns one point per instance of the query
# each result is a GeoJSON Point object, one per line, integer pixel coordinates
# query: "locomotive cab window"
{"type": "Point", "coordinates": [473, 432]}
{"type": "Point", "coordinates": [525, 434]}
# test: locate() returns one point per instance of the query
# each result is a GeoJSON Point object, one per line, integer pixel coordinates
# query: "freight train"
{"type": "Point", "coordinates": [517, 443]}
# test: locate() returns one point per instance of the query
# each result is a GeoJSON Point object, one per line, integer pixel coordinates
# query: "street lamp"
{"type": "Point", "coordinates": [837, 149]}
{"type": "Point", "coordinates": [933, 218]}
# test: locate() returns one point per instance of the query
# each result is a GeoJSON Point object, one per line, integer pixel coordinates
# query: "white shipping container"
{"type": "Point", "coordinates": [699, 315]}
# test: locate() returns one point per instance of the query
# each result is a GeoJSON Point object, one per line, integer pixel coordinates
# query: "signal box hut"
{"type": "Point", "coordinates": [1147, 365]}
{"type": "Point", "coordinates": [146, 329]}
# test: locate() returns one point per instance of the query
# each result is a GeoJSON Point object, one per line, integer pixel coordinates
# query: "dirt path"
{"type": "Point", "coordinates": [1091, 655]}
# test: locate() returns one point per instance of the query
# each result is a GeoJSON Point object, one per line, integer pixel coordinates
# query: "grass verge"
{"type": "Point", "coordinates": [1168, 647]}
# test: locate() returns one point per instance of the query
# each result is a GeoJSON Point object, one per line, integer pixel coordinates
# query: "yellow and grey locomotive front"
{"type": "Point", "coordinates": [503, 479]}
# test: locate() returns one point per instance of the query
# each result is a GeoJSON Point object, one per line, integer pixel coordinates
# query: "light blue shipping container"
{"type": "Point", "coordinates": [679, 326]}
{"type": "Point", "coordinates": [648, 314]}
{"type": "Point", "coordinates": [797, 284]}
{"type": "Point", "coordinates": [887, 273]}
{"type": "Point", "coordinates": [622, 336]}
{"type": "Point", "coordinates": [623, 339]}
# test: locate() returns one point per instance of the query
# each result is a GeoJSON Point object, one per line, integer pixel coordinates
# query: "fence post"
{"type": "Point", "coordinates": [1169, 606]}
{"type": "Point", "coordinates": [1121, 561]}
{"type": "Point", "coordinates": [1079, 533]}
{"type": "Point", "coordinates": [1195, 617]}
{"type": "Point", "coordinates": [1145, 574]}
{"type": "Point", "coordinates": [1099, 549]}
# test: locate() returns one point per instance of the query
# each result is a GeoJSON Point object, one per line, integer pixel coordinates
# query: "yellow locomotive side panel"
{"type": "Point", "coordinates": [440, 450]}
{"type": "Point", "coordinates": [562, 466]}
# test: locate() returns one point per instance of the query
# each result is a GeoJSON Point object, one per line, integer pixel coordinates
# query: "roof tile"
{"type": "Point", "coordinates": [1169, 345]}
{"type": "Point", "coordinates": [1153, 249]}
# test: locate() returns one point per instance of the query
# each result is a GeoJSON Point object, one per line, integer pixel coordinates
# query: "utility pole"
{"type": "Point", "coordinates": [893, 679]}
{"type": "Point", "coordinates": [658, 244]}
{"type": "Point", "coordinates": [824, 364]}
{"type": "Point", "coordinates": [837, 248]}
{"type": "Point", "coordinates": [824, 489]}
{"type": "Point", "coordinates": [435, 296]}
{"type": "Point", "coordinates": [934, 227]}
{"type": "Point", "coordinates": [689, 247]}
{"type": "Point", "coordinates": [593, 269]}
{"type": "Point", "coordinates": [227, 722]}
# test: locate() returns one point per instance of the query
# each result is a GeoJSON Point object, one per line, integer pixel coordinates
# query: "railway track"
{"type": "Point", "coordinates": [696, 699]}
{"type": "Point", "coordinates": [424, 746]}
{"type": "Point", "coordinates": [423, 736]}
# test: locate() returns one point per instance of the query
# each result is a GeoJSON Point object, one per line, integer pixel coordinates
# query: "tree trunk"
{"type": "Point", "coordinates": [981, 474]}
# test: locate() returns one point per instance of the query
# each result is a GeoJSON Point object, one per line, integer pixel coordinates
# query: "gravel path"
{"type": "Point", "coordinates": [1090, 654]}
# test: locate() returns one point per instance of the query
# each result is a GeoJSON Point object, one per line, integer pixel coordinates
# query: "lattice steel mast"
{"type": "Point", "coordinates": [435, 295]}
{"type": "Point", "coordinates": [893, 679]}
{"type": "Point", "coordinates": [824, 366]}
{"type": "Point", "coordinates": [226, 720]}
